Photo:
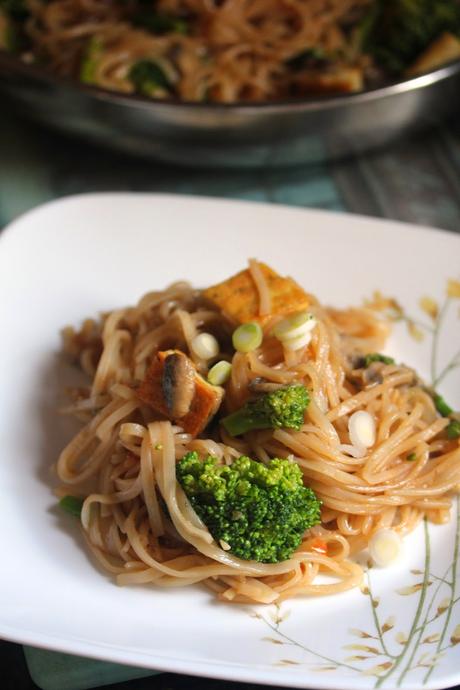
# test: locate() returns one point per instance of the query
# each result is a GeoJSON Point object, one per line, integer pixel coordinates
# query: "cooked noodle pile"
{"type": "Point", "coordinates": [228, 50]}
{"type": "Point", "coordinates": [237, 49]}
{"type": "Point", "coordinates": [136, 518]}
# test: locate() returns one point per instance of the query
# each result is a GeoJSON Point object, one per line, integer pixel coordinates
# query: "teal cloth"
{"type": "Point", "coordinates": [36, 166]}
{"type": "Point", "coordinates": [56, 671]}
{"type": "Point", "coordinates": [416, 181]}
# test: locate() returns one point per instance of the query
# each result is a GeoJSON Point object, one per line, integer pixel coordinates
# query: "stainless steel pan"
{"type": "Point", "coordinates": [242, 135]}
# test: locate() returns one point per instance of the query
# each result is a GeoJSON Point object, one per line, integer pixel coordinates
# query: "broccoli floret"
{"type": "Point", "coordinates": [367, 360]}
{"type": "Point", "coordinates": [397, 31]}
{"type": "Point", "coordinates": [284, 407]}
{"type": "Point", "coordinates": [147, 76]}
{"type": "Point", "coordinates": [260, 511]}
{"type": "Point", "coordinates": [149, 79]}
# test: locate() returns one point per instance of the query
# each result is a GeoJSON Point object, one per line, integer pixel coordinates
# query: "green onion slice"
{"type": "Point", "coordinates": [294, 325]}
{"type": "Point", "coordinates": [220, 373]}
{"type": "Point", "coordinates": [247, 337]}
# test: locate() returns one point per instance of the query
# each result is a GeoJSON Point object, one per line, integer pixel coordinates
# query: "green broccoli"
{"type": "Point", "coordinates": [375, 357]}
{"type": "Point", "coordinates": [395, 32]}
{"type": "Point", "coordinates": [149, 79]}
{"type": "Point", "coordinates": [91, 57]}
{"type": "Point", "coordinates": [258, 512]}
{"type": "Point", "coordinates": [284, 407]}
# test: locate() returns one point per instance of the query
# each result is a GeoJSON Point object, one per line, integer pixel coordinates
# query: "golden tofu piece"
{"type": "Point", "coordinates": [444, 49]}
{"type": "Point", "coordinates": [340, 80]}
{"type": "Point", "coordinates": [204, 402]}
{"type": "Point", "coordinates": [238, 297]}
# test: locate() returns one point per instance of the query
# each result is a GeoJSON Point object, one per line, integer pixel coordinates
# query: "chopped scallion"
{"type": "Point", "coordinates": [220, 373]}
{"type": "Point", "coordinates": [294, 325]}
{"type": "Point", "coordinates": [247, 337]}
{"type": "Point", "coordinates": [205, 346]}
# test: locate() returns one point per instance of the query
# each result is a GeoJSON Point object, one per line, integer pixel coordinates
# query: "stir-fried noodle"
{"type": "Point", "coordinates": [136, 517]}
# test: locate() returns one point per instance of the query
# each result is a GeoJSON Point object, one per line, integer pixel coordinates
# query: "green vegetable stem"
{"type": "Point", "coordinates": [284, 407]}
{"type": "Point", "coordinates": [71, 505]}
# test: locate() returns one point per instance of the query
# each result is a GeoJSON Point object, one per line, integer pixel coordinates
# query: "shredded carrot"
{"type": "Point", "coordinates": [319, 545]}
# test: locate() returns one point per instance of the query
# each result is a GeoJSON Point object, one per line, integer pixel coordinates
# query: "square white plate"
{"type": "Point", "coordinates": [82, 255]}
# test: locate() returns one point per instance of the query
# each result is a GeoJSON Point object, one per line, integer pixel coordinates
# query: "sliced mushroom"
{"type": "Point", "coordinates": [178, 384]}
{"type": "Point", "coordinates": [261, 385]}
{"type": "Point", "coordinates": [356, 360]}
{"type": "Point", "coordinates": [370, 376]}
{"type": "Point", "coordinates": [373, 374]}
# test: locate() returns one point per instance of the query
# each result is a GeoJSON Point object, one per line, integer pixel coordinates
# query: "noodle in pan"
{"type": "Point", "coordinates": [232, 50]}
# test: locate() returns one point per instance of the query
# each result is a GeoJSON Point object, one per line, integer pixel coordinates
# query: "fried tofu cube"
{"type": "Point", "coordinates": [444, 49]}
{"type": "Point", "coordinates": [162, 384]}
{"type": "Point", "coordinates": [238, 297]}
{"type": "Point", "coordinates": [341, 80]}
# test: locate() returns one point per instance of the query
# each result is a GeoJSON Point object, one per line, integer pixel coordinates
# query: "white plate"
{"type": "Point", "coordinates": [85, 254]}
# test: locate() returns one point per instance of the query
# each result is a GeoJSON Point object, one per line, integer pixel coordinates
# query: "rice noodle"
{"type": "Point", "coordinates": [231, 50]}
{"type": "Point", "coordinates": [127, 456]}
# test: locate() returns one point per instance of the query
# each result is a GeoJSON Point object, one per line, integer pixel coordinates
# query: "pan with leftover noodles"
{"type": "Point", "coordinates": [232, 50]}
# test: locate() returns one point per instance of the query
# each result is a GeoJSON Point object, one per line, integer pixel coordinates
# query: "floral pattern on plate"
{"type": "Point", "coordinates": [390, 650]}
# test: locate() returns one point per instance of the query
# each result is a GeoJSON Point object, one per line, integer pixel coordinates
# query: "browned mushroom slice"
{"type": "Point", "coordinates": [178, 384]}
{"type": "Point", "coordinates": [367, 377]}
{"type": "Point", "coordinates": [205, 401]}
{"type": "Point", "coordinates": [261, 385]}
